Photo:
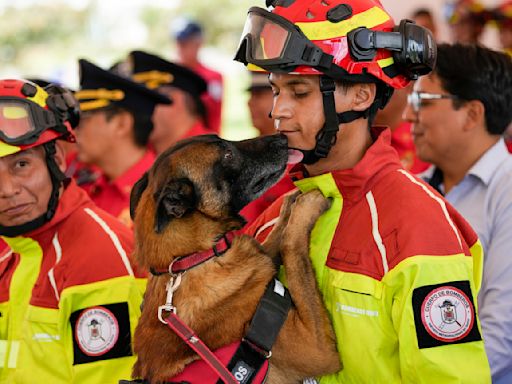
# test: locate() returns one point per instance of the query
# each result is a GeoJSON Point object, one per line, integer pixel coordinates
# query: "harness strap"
{"type": "Point", "coordinates": [194, 342]}
{"type": "Point", "coordinates": [270, 316]}
{"type": "Point", "coordinates": [255, 348]}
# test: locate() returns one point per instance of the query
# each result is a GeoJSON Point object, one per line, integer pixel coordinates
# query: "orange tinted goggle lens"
{"type": "Point", "coordinates": [268, 39]}
{"type": "Point", "coordinates": [15, 119]}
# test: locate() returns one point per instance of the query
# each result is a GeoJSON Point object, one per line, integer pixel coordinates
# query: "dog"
{"type": "Point", "coordinates": [188, 200]}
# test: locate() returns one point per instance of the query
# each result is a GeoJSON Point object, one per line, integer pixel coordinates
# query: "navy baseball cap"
{"type": "Point", "coordinates": [183, 29]}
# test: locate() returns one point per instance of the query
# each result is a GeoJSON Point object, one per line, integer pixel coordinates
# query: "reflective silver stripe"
{"type": "Point", "coordinates": [13, 355]}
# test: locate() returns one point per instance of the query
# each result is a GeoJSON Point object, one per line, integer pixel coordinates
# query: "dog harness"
{"type": "Point", "coordinates": [242, 362]}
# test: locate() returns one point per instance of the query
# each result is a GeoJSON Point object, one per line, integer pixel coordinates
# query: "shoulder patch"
{"type": "Point", "coordinates": [445, 314]}
{"type": "Point", "coordinates": [101, 333]}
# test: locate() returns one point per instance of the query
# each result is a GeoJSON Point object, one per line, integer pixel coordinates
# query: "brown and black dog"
{"type": "Point", "coordinates": [187, 201]}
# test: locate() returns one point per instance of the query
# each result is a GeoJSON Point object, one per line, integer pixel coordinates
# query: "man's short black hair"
{"type": "Point", "coordinates": [142, 124]}
{"type": "Point", "coordinates": [473, 72]}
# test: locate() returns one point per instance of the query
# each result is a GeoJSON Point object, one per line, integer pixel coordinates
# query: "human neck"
{"type": "Point", "coordinates": [457, 164]}
{"type": "Point", "coordinates": [353, 140]}
{"type": "Point", "coordinates": [180, 126]}
{"type": "Point", "coordinates": [120, 159]}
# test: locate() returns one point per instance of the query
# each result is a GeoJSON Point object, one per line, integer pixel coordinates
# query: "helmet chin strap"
{"type": "Point", "coordinates": [326, 137]}
{"type": "Point", "coordinates": [57, 177]}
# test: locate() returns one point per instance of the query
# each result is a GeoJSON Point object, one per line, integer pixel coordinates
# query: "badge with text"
{"type": "Point", "coordinates": [444, 314]}
{"type": "Point", "coordinates": [101, 332]}
{"type": "Point", "coordinates": [96, 331]}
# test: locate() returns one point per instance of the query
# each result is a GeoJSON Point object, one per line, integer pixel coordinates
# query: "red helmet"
{"type": "Point", "coordinates": [343, 39]}
{"type": "Point", "coordinates": [503, 14]}
{"type": "Point", "coordinates": [32, 116]}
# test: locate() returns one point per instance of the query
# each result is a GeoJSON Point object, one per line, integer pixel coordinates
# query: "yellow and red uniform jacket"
{"type": "Point", "coordinates": [69, 298]}
{"type": "Point", "coordinates": [399, 270]}
{"type": "Point", "coordinates": [113, 196]}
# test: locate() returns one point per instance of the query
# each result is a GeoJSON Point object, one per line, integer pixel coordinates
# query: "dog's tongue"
{"type": "Point", "coordinates": [294, 156]}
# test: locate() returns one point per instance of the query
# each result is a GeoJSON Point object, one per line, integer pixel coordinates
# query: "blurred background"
{"type": "Point", "coordinates": [45, 38]}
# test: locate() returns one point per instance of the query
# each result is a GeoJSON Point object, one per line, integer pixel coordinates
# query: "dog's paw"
{"type": "Point", "coordinates": [288, 202]}
{"type": "Point", "coordinates": [309, 206]}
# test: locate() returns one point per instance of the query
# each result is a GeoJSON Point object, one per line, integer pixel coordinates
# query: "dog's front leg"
{"type": "Point", "coordinates": [307, 336]}
{"type": "Point", "coordinates": [272, 243]}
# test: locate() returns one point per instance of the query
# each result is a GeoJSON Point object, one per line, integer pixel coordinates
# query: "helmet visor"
{"type": "Point", "coordinates": [21, 123]}
{"type": "Point", "coordinates": [273, 43]}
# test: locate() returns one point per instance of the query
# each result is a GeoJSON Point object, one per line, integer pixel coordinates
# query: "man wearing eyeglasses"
{"type": "Point", "coordinates": [459, 114]}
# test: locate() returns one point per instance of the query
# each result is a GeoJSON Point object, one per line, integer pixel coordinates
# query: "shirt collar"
{"type": "Point", "coordinates": [486, 166]}
{"type": "Point", "coordinates": [379, 159]}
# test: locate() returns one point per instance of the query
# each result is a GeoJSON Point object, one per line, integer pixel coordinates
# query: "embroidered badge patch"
{"type": "Point", "coordinates": [96, 331]}
{"type": "Point", "coordinates": [101, 332]}
{"type": "Point", "coordinates": [444, 314]}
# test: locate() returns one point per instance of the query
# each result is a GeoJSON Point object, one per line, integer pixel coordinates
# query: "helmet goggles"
{"type": "Point", "coordinates": [275, 44]}
{"type": "Point", "coordinates": [22, 121]}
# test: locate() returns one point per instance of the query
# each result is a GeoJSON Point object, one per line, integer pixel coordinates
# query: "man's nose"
{"type": "Point", "coordinates": [281, 109]}
{"type": "Point", "coordinates": [8, 186]}
{"type": "Point", "coordinates": [409, 114]}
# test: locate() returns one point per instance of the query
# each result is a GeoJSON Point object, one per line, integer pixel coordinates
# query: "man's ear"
{"type": "Point", "coordinates": [475, 115]}
{"type": "Point", "coordinates": [60, 156]}
{"type": "Point", "coordinates": [174, 200]}
{"type": "Point", "coordinates": [363, 96]}
{"type": "Point", "coordinates": [124, 124]}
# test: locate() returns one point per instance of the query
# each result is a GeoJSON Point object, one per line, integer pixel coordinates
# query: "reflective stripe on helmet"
{"type": "Point", "coordinates": [323, 30]}
{"type": "Point", "coordinates": [6, 149]}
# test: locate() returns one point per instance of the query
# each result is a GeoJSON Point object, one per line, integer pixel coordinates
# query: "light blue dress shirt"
{"type": "Point", "coordinates": [484, 198]}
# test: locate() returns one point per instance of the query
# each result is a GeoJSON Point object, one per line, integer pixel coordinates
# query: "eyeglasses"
{"type": "Point", "coordinates": [415, 99]}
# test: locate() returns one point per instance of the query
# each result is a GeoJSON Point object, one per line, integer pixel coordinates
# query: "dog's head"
{"type": "Point", "coordinates": [208, 178]}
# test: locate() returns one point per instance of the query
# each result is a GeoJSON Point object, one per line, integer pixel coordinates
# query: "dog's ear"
{"type": "Point", "coordinates": [136, 193]}
{"type": "Point", "coordinates": [173, 201]}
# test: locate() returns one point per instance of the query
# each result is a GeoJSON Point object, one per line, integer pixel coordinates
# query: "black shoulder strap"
{"type": "Point", "coordinates": [270, 315]}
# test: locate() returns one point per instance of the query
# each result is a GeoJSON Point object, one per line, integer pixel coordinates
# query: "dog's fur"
{"type": "Point", "coordinates": [187, 201]}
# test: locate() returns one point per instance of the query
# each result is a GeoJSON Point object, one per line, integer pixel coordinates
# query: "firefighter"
{"type": "Point", "coordinates": [113, 135]}
{"type": "Point", "coordinates": [390, 250]}
{"type": "Point", "coordinates": [69, 296]}
{"type": "Point", "coordinates": [185, 116]}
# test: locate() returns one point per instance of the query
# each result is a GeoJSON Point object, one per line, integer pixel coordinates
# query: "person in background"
{"type": "Point", "coordinates": [401, 136]}
{"type": "Point", "coordinates": [502, 15]}
{"type": "Point", "coordinates": [398, 268]}
{"type": "Point", "coordinates": [188, 36]}
{"type": "Point", "coordinates": [69, 296]}
{"type": "Point", "coordinates": [113, 135]}
{"type": "Point", "coordinates": [466, 19]}
{"type": "Point", "coordinates": [260, 103]}
{"type": "Point", "coordinates": [184, 117]}
{"type": "Point", "coordinates": [425, 18]}
{"type": "Point", "coordinates": [459, 114]}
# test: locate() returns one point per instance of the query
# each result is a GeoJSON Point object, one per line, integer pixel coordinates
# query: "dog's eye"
{"type": "Point", "coordinates": [228, 155]}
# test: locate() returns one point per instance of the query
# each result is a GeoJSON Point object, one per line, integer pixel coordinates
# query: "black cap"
{"type": "Point", "coordinates": [100, 88]}
{"type": "Point", "coordinates": [155, 72]}
{"type": "Point", "coordinates": [184, 29]}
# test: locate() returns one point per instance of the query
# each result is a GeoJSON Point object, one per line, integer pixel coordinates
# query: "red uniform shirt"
{"type": "Point", "coordinates": [212, 99]}
{"type": "Point", "coordinates": [196, 130]}
{"type": "Point", "coordinates": [401, 140]}
{"type": "Point", "coordinates": [114, 196]}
